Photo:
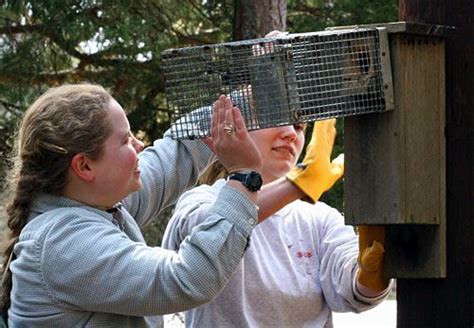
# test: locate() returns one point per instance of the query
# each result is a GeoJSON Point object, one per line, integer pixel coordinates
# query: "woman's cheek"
{"type": "Point", "coordinates": [130, 158]}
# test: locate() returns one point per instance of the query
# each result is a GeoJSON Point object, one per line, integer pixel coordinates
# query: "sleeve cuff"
{"type": "Point", "coordinates": [368, 299]}
{"type": "Point", "coordinates": [236, 207]}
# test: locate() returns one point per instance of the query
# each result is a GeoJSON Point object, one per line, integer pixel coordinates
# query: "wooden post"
{"type": "Point", "coordinates": [395, 161]}
{"type": "Point", "coordinates": [449, 302]}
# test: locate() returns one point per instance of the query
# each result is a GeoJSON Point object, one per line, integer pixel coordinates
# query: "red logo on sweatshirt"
{"type": "Point", "coordinates": [307, 254]}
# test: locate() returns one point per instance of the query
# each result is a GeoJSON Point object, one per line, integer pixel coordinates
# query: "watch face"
{"type": "Point", "coordinates": [254, 181]}
{"type": "Point", "coordinates": [251, 180]}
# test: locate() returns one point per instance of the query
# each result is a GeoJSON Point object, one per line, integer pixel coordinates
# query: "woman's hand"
{"type": "Point", "coordinates": [371, 252]}
{"type": "Point", "coordinates": [230, 139]}
{"type": "Point", "coordinates": [318, 173]}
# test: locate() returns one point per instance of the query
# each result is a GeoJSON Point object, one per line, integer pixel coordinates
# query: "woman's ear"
{"type": "Point", "coordinates": [81, 165]}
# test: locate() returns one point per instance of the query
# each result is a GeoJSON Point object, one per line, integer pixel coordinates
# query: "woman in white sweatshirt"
{"type": "Point", "coordinates": [303, 262]}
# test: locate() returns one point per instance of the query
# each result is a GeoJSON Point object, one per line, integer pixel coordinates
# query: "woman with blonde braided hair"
{"type": "Point", "coordinates": [41, 165]}
{"type": "Point", "coordinates": [83, 186]}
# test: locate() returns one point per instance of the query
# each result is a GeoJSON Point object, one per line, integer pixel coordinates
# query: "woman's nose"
{"type": "Point", "coordinates": [288, 132]}
{"type": "Point", "coordinates": [138, 145]}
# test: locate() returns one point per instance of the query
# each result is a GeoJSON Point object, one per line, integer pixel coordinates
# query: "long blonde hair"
{"type": "Point", "coordinates": [62, 122]}
{"type": "Point", "coordinates": [213, 172]}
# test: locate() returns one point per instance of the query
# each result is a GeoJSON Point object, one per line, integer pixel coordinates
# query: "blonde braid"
{"type": "Point", "coordinates": [64, 121]}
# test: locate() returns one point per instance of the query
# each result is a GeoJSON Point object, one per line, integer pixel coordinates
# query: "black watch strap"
{"type": "Point", "coordinates": [250, 179]}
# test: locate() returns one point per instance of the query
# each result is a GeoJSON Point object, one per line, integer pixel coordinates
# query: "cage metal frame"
{"type": "Point", "coordinates": [282, 80]}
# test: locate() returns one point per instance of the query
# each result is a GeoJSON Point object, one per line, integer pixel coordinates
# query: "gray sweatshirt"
{"type": "Point", "coordinates": [78, 266]}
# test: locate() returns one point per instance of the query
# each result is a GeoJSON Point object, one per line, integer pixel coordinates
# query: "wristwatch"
{"type": "Point", "coordinates": [250, 179]}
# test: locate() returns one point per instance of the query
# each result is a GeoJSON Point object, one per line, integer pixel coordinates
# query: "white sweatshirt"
{"type": "Point", "coordinates": [300, 267]}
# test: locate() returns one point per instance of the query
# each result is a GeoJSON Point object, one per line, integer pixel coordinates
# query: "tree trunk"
{"type": "Point", "coordinates": [449, 302]}
{"type": "Point", "coordinates": [254, 19]}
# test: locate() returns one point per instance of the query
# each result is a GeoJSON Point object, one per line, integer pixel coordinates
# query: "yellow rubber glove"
{"type": "Point", "coordinates": [317, 173]}
{"type": "Point", "coordinates": [371, 251]}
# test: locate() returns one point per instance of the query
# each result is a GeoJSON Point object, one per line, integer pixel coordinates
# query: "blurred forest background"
{"type": "Point", "coordinates": [117, 43]}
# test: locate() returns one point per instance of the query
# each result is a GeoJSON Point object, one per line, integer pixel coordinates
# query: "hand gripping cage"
{"type": "Point", "coordinates": [281, 80]}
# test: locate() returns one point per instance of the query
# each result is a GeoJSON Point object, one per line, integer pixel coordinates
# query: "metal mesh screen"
{"type": "Point", "coordinates": [279, 81]}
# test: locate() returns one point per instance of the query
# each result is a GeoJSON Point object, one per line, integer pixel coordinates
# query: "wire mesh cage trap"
{"type": "Point", "coordinates": [287, 79]}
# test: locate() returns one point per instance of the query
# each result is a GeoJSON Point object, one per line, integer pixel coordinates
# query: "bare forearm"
{"type": "Point", "coordinates": [275, 195]}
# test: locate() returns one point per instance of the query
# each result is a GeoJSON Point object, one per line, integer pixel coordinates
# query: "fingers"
{"type": "Point", "coordinates": [210, 143]}
{"type": "Point", "coordinates": [325, 136]}
{"type": "Point", "coordinates": [363, 240]}
{"type": "Point", "coordinates": [228, 115]}
{"type": "Point", "coordinates": [222, 117]}
{"type": "Point", "coordinates": [372, 258]}
{"type": "Point", "coordinates": [221, 104]}
{"type": "Point", "coordinates": [273, 33]}
{"type": "Point", "coordinates": [215, 119]}
{"type": "Point", "coordinates": [377, 232]}
{"type": "Point", "coordinates": [268, 47]}
{"type": "Point", "coordinates": [325, 128]}
{"type": "Point", "coordinates": [328, 127]}
{"type": "Point", "coordinates": [239, 122]}
{"type": "Point", "coordinates": [337, 165]}
{"type": "Point", "coordinates": [370, 233]}
{"type": "Point", "coordinates": [339, 160]}
{"type": "Point", "coordinates": [330, 123]}
{"type": "Point", "coordinates": [230, 139]}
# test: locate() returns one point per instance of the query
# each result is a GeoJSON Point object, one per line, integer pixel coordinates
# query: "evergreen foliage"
{"type": "Point", "coordinates": [117, 43]}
